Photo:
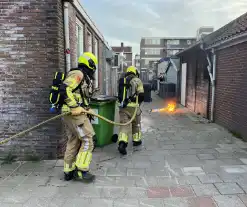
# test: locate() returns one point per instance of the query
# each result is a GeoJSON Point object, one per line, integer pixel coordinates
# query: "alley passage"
{"type": "Point", "coordinates": [184, 162]}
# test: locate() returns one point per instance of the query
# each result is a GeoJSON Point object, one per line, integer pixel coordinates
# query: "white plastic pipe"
{"type": "Point", "coordinates": [66, 33]}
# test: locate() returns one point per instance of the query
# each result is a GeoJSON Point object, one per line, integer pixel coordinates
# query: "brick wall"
{"type": "Point", "coordinates": [31, 45]}
{"type": "Point", "coordinates": [209, 100]}
{"type": "Point", "coordinates": [202, 85]}
{"type": "Point", "coordinates": [190, 84]}
{"type": "Point", "coordinates": [231, 88]}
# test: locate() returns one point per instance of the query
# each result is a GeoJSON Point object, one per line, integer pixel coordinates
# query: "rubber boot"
{"type": "Point", "coordinates": [84, 176]}
{"type": "Point", "coordinates": [122, 148]}
{"type": "Point", "coordinates": [69, 176]}
{"type": "Point", "coordinates": [138, 143]}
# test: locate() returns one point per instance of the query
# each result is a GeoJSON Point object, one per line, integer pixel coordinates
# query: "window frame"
{"type": "Point", "coordinates": [79, 37]}
{"type": "Point", "coordinates": [155, 41]}
{"type": "Point", "coordinates": [173, 42]}
{"type": "Point", "coordinates": [96, 53]}
{"type": "Point", "coordinates": [152, 51]}
{"type": "Point", "coordinates": [150, 41]}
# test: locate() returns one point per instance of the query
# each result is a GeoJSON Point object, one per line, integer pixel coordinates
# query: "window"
{"type": "Point", "coordinates": [171, 52]}
{"type": "Point", "coordinates": [116, 60]}
{"type": "Point", "coordinates": [96, 51]}
{"type": "Point", "coordinates": [89, 39]}
{"type": "Point", "coordinates": [173, 42]}
{"type": "Point", "coordinates": [189, 42]}
{"type": "Point", "coordinates": [152, 51]}
{"type": "Point", "coordinates": [148, 42]}
{"type": "Point", "coordinates": [147, 61]}
{"type": "Point", "coordinates": [156, 42]}
{"type": "Point", "coordinates": [174, 52]}
{"type": "Point", "coordinates": [79, 38]}
{"type": "Point", "coordinates": [152, 41]}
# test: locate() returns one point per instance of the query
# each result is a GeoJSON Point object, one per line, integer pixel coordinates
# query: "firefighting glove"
{"type": "Point", "coordinates": [140, 98]}
{"type": "Point", "coordinates": [77, 111]}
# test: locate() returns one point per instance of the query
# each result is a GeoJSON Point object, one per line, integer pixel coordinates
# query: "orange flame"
{"type": "Point", "coordinates": [170, 108]}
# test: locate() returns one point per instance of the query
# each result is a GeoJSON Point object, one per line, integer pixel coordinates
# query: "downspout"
{"type": "Point", "coordinates": [212, 79]}
{"type": "Point", "coordinates": [213, 86]}
{"type": "Point", "coordinates": [66, 34]}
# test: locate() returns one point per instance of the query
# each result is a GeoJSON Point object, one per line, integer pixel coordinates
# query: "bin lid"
{"type": "Point", "coordinates": [103, 98]}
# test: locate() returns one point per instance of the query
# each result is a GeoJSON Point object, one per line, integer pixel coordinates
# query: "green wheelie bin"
{"type": "Point", "coordinates": [104, 106]}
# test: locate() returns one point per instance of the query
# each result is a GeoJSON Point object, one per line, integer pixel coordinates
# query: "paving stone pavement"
{"type": "Point", "coordinates": [184, 161]}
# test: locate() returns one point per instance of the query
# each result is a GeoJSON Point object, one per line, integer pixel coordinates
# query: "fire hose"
{"type": "Point", "coordinates": [68, 113]}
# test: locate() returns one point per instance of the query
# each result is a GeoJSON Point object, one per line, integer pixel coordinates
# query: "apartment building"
{"type": "Point", "coordinates": [137, 61]}
{"type": "Point", "coordinates": [152, 49]}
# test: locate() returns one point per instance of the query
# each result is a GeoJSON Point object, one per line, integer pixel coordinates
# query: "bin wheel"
{"type": "Point", "coordinates": [114, 138]}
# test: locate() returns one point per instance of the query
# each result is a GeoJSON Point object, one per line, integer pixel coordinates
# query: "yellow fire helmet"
{"type": "Point", "coordinates": [132, 69]}
{"type": "Point", "coordinates": [89, 60]}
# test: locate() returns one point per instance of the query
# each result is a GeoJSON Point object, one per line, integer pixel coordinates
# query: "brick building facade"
{"type": "Point", "coordinates": [221, 97]}
{"type": "Point", "coordinates": [32, 50]}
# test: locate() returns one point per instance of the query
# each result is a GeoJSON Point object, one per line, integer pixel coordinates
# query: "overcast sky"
{"type": "Point", "coordinates": [129, 20]}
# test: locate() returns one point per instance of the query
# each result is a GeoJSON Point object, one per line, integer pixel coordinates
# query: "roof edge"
{"type": "Point", "coordinates": [242, 37]}
{"type": "Point", "coordinates": [168, 38]}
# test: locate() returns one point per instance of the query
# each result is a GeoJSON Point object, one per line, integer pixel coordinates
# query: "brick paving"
{"type": "Point", "coordinates": [184, 161]}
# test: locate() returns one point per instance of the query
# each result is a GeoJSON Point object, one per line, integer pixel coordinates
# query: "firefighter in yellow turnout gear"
{"type": "Point", "coordinates": [130, 87]}
{"type": "Point", "coordinates": [78, 88]}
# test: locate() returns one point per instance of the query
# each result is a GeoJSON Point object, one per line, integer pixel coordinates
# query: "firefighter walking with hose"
{"type": "Point", "coordinates": [130, 88]}
{"type": "Point", "coordinates": [77, 89]}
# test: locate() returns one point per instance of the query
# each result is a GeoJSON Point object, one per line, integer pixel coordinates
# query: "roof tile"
{"type": "Point", "coordinates": [234, 28]}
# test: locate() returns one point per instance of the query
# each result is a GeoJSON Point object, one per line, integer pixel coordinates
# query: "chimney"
{"type": "Point", "coordinates": [122, 46]}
